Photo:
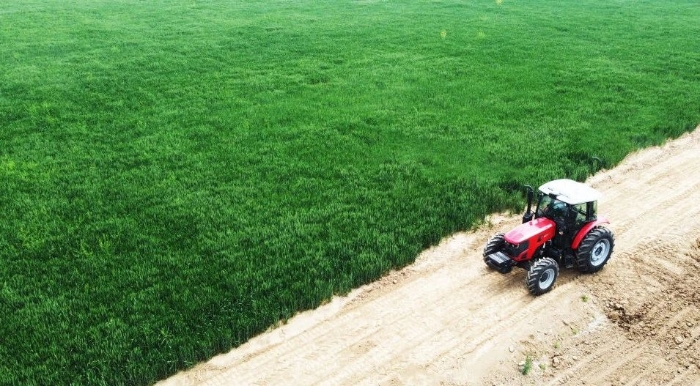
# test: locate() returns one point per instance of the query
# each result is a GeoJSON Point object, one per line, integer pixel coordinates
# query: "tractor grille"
{"type": "Point", "coordinates": [515, 250]}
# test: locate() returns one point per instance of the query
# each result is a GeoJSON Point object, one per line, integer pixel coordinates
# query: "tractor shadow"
{"type": "Point", "coordinates": [569, 275]}
{"type": "Point", "coordinates": [516, 279]}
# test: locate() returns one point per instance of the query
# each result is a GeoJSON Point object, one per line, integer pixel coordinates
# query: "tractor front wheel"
{"type": "Point", "coordinates": [542, 275]}
{"type": "Point", "coordinates": [495, 244]}
{"type": "Point", "coordinates": [595, 250]}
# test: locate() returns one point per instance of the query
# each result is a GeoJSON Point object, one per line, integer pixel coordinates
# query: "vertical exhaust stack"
{"type": "Point", "coordinates": [528, 213]}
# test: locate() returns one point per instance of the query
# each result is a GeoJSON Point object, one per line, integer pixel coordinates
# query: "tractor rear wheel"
{"type": "Point", "coordinates": [595, 250]}
{"type": "Point", "coordinates": [542, 275]}
{"type": "Point", "coordinates": [495, 244]}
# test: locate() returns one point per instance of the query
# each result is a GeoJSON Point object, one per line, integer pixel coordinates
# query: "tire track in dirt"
{"type": "Point", "coordinates": [447, 319]}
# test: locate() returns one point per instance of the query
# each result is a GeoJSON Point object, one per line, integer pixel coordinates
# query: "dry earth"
{"type": "Point", "coordinates": [448, 320]}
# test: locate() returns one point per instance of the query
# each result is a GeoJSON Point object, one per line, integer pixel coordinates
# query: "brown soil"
{"type": "Point", "coordinates": [448, 320]}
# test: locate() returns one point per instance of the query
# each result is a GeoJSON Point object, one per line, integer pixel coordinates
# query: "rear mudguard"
{"type": "Point", "coordinates": [587, 228]}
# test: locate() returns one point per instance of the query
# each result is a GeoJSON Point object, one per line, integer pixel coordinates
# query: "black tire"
{"type": "Point", "coordinates": [495, 244]}
{"type": "Point", "coordinates": [542, 275]}
{"type": "Point", "coordinates": [595, 250]}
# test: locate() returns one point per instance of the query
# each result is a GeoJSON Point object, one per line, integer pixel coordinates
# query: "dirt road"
{"type": "Point", "coordinates": [448, 320]}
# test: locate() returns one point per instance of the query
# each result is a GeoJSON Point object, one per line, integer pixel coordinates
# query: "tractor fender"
{"type": "Point", "coordinates": [587, 228]}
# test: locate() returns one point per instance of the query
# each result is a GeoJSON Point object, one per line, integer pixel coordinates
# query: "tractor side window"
{"type": "Point", "coordinates": [581, 213]}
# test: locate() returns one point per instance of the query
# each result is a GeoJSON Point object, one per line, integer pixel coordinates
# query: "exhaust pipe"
{"type": "Point", "coordinates": [528, 214]}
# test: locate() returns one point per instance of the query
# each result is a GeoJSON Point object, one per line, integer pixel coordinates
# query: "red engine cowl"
{"type": "Point", "coordinates": [523, 240]}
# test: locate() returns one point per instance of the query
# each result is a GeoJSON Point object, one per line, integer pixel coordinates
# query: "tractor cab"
{"type": "Point", "coordinates": [567, 200]}
{"type": "Point", "coordinates": [570, 205]}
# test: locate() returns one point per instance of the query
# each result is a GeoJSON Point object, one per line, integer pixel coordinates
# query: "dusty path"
{"type": "Point", "coordinates": [448, 320]}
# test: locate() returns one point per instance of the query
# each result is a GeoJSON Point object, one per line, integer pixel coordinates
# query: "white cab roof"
{"type": "Point", "coordinates": [570, 191]}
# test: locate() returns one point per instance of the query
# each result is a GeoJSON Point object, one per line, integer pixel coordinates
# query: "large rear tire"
{"type": "Point", "coordinates": [542, 275]}
{"type": "Point", "coordinates": [495, 244]}
{"type": "Point", "coordinates": [595, 250]}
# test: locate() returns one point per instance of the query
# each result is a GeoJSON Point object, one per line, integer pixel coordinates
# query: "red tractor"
{"type": "Point", "coordinates": [563, 230]}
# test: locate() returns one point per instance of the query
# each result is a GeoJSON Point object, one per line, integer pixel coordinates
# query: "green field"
{"type": "Point", "coordinates": [178, 176]}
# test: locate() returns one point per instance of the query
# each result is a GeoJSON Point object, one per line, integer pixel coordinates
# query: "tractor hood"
{"type": "Point", "coordinates": [542, 228]}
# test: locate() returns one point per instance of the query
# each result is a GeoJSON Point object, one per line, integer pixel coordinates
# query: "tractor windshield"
{"type": "Point", "coordinates": [550, 207]}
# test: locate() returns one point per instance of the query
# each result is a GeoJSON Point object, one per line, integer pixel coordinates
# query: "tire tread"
{"type": "Point", "coordinates": [495, 244]}
{"type": "Point", "coordinates": [533, 275]}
